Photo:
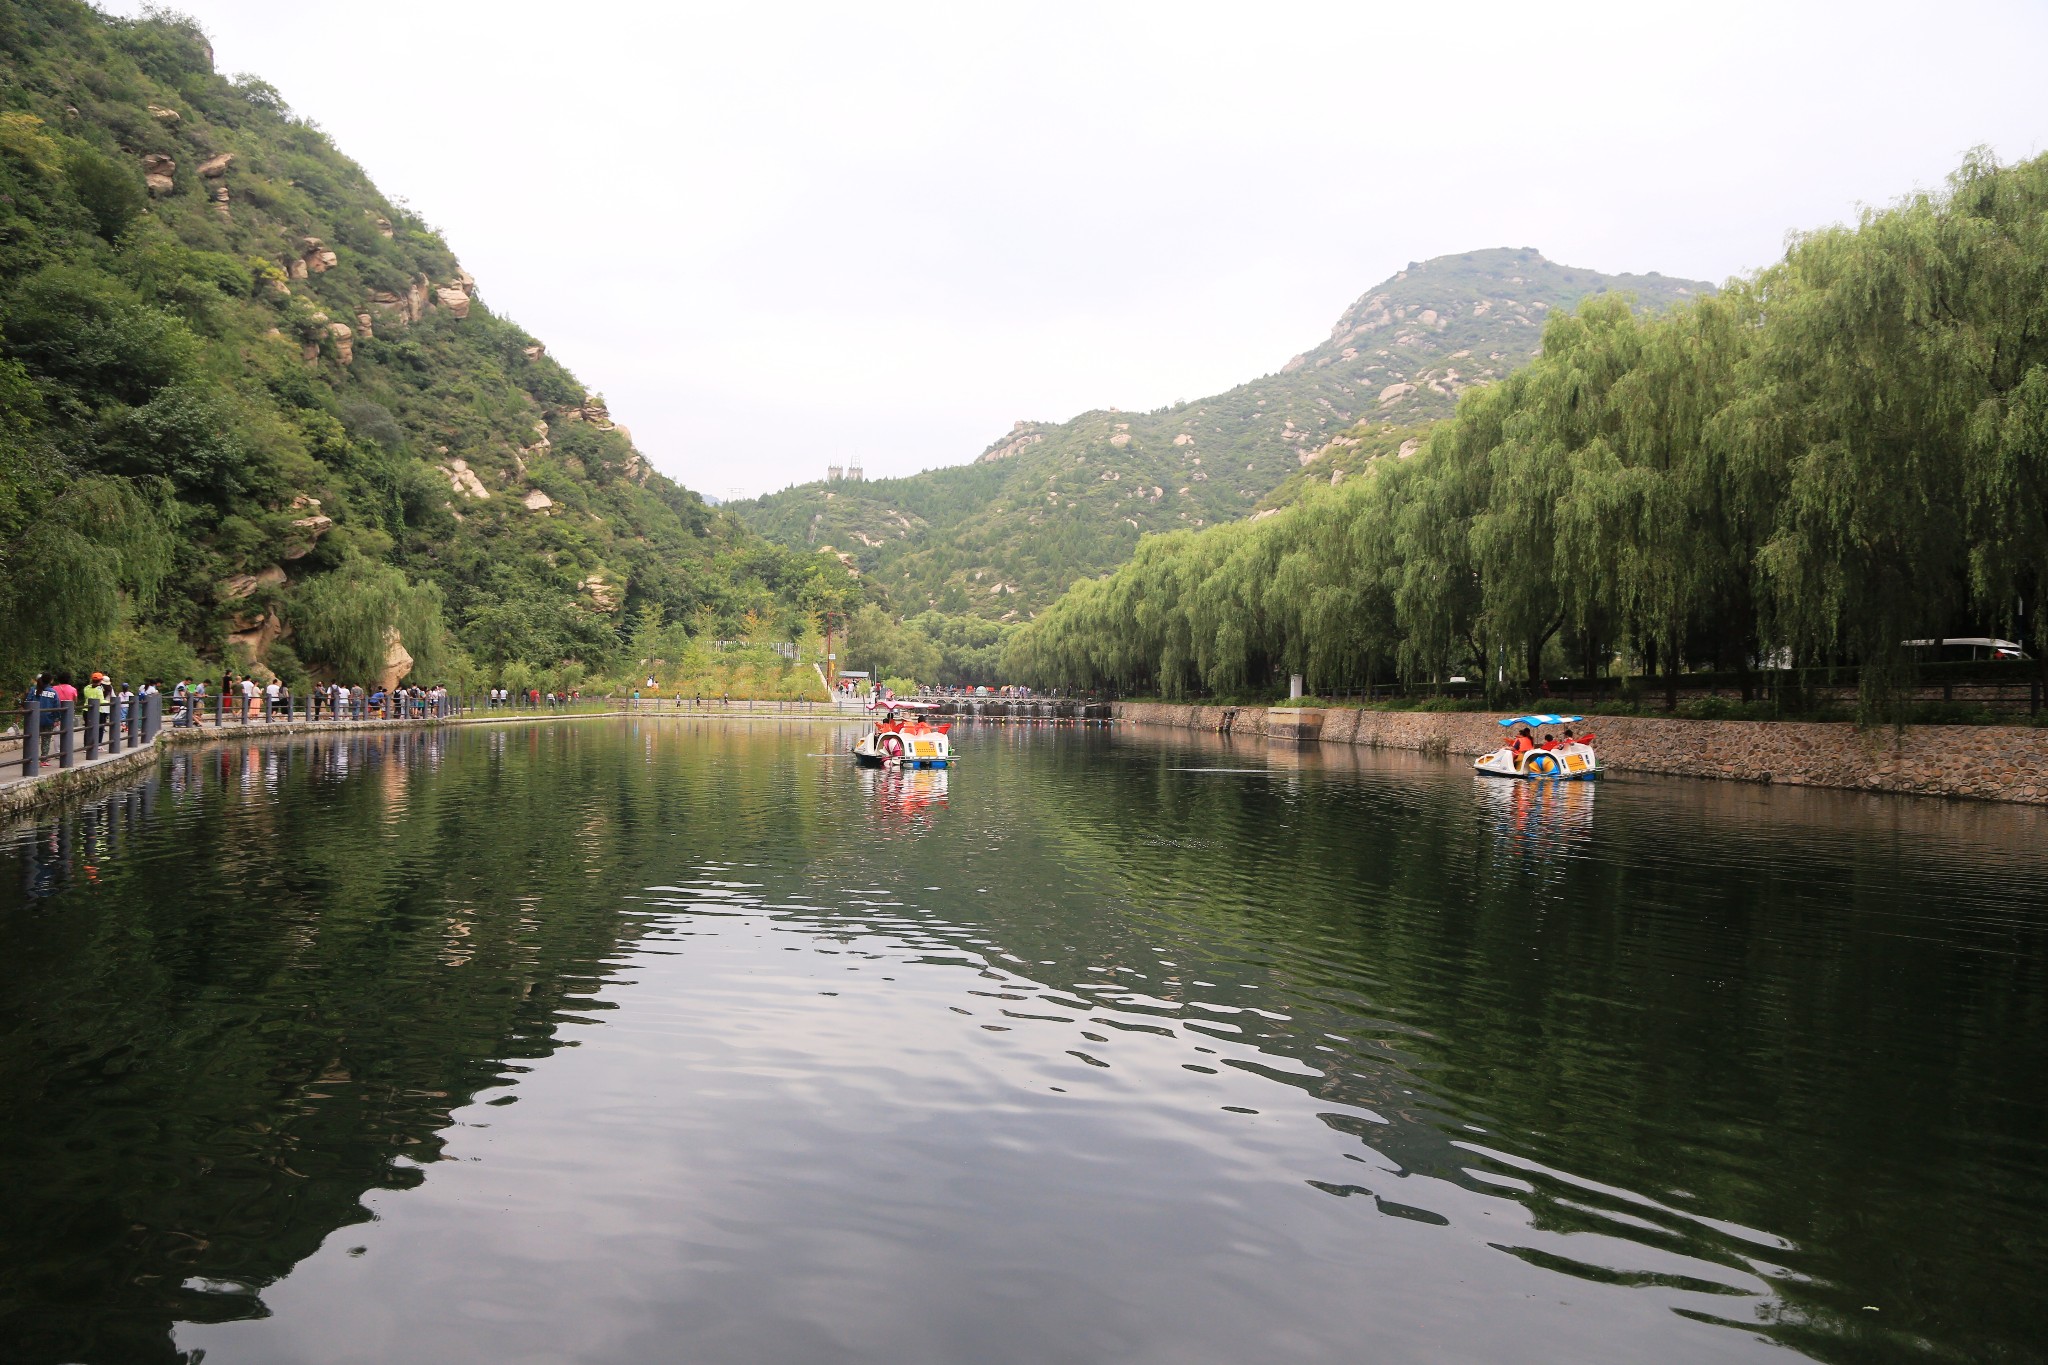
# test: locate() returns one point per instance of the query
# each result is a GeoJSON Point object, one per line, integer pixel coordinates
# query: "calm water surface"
{"type": "Point", "coordinates": [672, 1041]}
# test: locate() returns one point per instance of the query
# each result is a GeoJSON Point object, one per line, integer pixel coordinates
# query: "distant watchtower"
{"type": "Point", "coordinates": [833, 473]}
{"type": "Point", "coordinates": [854, 474]}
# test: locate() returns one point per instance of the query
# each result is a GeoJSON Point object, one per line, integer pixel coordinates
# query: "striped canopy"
{"type": "Point", "coordinates": [1542, 720]}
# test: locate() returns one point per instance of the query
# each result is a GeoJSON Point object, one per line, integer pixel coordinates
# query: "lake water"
{"type": "Point", "coordinates": [686, 1041]}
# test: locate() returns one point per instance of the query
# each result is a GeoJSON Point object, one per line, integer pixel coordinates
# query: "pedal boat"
{"type": "Point", "coordinates": [896, 742]}
{"type": "Point", "coordinates": [1571, 763]}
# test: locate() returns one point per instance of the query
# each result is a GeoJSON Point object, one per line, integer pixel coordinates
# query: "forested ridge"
{"type": "Point", "coordinates": [1845, 451]}
{"type": "Point", "coordinates": [1049, 502]}
{"type": "Point", "coordinates": [253, 412]}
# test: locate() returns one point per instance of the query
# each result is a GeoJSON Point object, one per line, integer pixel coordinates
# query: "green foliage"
{"type": "Point", "coordinates": [348, 619]}
{"type": "Point", "coordinates": [63, 576]}
{"type": "Point", "coordinates": [1847, 451]}
{"type": "Point", "coordinates": [172, 340]}
{"type": "Point", "coordinates": [86, 332]}
{"type": "Point", "coordinates": [110, 192]}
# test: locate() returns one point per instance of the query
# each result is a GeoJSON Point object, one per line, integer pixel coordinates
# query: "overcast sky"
{"type": "Point", "coordinates": [778, 236]}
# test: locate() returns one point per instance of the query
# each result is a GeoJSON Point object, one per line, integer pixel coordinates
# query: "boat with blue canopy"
{"type": "Point", "coordinates": [1544, 758]}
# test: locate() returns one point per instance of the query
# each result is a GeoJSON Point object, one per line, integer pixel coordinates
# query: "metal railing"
{"type": "Point", "coordinates": [61, 735]}
{"type": "Point", "coordinates": [65, 734]}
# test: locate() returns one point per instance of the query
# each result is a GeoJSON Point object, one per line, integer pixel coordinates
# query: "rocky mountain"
{"type": "Point", "coordinates": [1048, 502]}
{"type": "Point", "coordinates": [211, 317]}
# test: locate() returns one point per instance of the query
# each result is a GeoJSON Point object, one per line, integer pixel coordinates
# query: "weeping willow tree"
{"type": "Point", "coordinates": [1844, 452]}
{"type": "Point", "coordinates": [349, 619]}
{"type": "Point", "coordinates": [64, 574]}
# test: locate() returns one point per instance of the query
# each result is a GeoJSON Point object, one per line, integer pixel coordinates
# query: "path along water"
{"type": "Point", "coordinates": [672, 1040]}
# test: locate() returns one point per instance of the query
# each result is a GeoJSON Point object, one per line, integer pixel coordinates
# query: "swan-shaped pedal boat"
{"type": "Point", "coordinates": [1572, 761]}
{"type": "Point", "coordinates": [900, 743]}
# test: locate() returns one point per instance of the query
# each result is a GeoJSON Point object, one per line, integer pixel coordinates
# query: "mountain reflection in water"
{"type": "Point", "coordinates": [686, 1040]}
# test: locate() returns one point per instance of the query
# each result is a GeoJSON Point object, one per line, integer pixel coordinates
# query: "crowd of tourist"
{"type": "Point", "coordinates": [238, 698]}
{"type": "Point", "coordinates": [101, 697]}
{"type": "Point", "coordinates": [532, 698]}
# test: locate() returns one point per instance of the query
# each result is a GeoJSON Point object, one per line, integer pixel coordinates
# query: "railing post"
{"type": "Point", "coordinates": [32, 736]}
{"type": "Point", "coordinates": [152, 716]}
{"type": "Point", "coordinates": [66, 715]}
{"type": "Point", "coordinates": [92, 730]}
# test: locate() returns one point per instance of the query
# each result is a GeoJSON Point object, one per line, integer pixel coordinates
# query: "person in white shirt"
{"type": "Point", "coordinates": [270, 700]}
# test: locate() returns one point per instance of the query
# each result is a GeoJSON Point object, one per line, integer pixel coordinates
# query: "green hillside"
{"type": "Point", "coordinates": [1839, 455]}
{"type": "Point", "coordinates": [251, 409]}
{"type": "Point", "coordinates": [1048, 503]}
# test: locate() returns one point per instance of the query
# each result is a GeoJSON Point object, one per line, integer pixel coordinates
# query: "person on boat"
{"type": "Point", "coordinates": [1550, 742]}
{"type": "Point", "coordinates": [1522, 743]}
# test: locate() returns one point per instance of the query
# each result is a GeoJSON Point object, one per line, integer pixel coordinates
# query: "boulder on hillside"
{"type": "Point", "coordinates": [453, 299]}
{"type": "Point", "coordinates": [344, 341]}
{"type": "Point", "coordinates": [214, 167]}
{"type": "Point", "coordinates": [537, 501]}
{"type": "Point", "coordinates": [157, 170]}
{"type": "Point", "coordinates": [408, 307]}
{"type": "Point", "coordinates": [161, 114]}
{"type": "Point", "coordinates": [462, 479]}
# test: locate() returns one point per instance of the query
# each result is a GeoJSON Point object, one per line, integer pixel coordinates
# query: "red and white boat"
{"type": "Point", "coordinates": [903, 737]}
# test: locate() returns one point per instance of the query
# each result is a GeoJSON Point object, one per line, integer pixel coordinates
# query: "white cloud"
{"type": "Point", "coordinates": [777, 236]}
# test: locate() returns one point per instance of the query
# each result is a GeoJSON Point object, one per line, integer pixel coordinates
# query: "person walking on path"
{"type": "Point", "coordinates": [248, 698]}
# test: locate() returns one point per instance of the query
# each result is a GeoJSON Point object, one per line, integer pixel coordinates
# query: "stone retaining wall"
{"type": "Point", "coordinates": [1982, 762]}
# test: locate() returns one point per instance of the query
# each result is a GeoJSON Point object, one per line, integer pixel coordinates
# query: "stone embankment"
{"type": "Point", "coordinates": [1980, 762]}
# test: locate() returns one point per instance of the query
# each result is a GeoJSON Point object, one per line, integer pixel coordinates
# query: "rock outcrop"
{"type": "Point", "coordinates": [244, 585]}
{"type": "Point", "coordinates": [344, 341]}
{"type": "Point", "coordinates": [1018, 440]}
{"type": "Point", "coordinates": [255, 628]}
{"type": "Point", "coordinates": [214, 167]}
{"type": "Point", "coordinates": [408, 307]}
{"type": "Point", "coordinates": [157, 173]}
{"type": "Point", "coordinates": [537, 501]}
{"type": "Point", "coordinates": [161, 114]}
{"type": "Point", "coordinates": [397, 660]}
{"type": "Point", "coordinates": [462, 479]}
{"type": "Point", "coordinates": [306, 529]}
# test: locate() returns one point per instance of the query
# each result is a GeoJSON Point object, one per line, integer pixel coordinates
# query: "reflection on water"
{"type": "Point", "coordinates": [676, 1040]}
{"type": "Point", "coordinates": [1543, 820]}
